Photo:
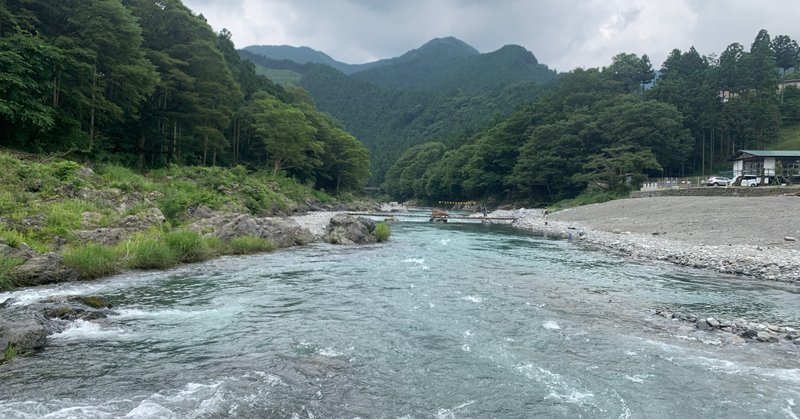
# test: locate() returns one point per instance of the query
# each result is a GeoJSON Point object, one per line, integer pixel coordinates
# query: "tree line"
{"type": "Point", "coordinates": [149, 83]}
{"type": "Point", "coordinates": [607, 129]}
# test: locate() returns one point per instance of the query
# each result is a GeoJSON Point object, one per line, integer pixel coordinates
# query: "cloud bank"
{"type": "Point", "coordinates": [563, 34]}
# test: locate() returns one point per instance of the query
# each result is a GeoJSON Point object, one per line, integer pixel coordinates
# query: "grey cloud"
{"type": "Point", "coordinates": [562, 34]}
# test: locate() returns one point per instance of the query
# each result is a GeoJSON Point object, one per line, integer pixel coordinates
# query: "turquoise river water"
{"type": "Point", "coordinates": [443, 321]}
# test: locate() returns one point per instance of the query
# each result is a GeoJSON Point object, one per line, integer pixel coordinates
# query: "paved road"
{"type": "Point", "coordinates": [699, 220]}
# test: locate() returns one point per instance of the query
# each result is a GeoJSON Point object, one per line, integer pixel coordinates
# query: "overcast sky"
{"type": "Point", "coordinates": [563, 34]}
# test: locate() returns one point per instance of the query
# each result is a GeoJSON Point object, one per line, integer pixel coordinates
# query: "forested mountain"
{"type": "Point", "coordinates": [448, 64]}
{"type": "Point", "coordinates": [444, 91]}
{"type": "Point", "coordinates": [305, 55]}
{"type": "Point", "coordinates": [150, 84]}
{"type": "Point", "coordinates": [599, 130]}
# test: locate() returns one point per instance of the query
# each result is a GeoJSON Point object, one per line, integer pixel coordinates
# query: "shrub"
{"type": "Point", "coordinates": [147, 253]}
{"type": "Point", "coordinates": [7, 266]}
{"type": "Point", "coordinates": [382, 232]}
{"type": "Point", "coordinates": [92, 260]}
{"type": "Point", "coordinates": [187, 246]}
{"type": "Point", "coordinates": [64, 170]}
{"type": "Point", "coordinates": [250, 244]}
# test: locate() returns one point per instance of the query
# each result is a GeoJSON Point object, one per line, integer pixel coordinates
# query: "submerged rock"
{"type": "Point", "coordinates": [348, 229]}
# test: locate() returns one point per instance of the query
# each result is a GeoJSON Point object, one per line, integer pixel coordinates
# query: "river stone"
{"type": "Point", "coordinates": [703, 325]}
{"type": "Point", "coordinates": [25, 335]}
{"type": "Point", "coordinates": [766, 337]}
{"type": "Point", "coordinates": [790, 239]}
{"type": "Point", "coordinates": [713, 322]}
{"type": "Point", "coordinates": [348, 230]}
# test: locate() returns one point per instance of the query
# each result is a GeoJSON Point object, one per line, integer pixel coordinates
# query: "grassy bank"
{"type": "Point", "coordinates": [45, 203]}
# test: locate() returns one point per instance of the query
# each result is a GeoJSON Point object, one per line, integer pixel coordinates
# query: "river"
{"type": "Point", "coordinates": [446, 320]}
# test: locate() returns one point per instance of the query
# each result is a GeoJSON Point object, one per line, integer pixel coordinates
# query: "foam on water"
{"type": "Point", "coordinates": [85, 330]}
{"type": "Point", "coordinates": [419, 262]}
{"type": "Point", "coordinates": [330, 352]}
{"type": "Point", "coordinates": [789, 409]}
{"type": "Point", "coordinates": [135, 313]}
{"type": "Point", "coordinates": [472, 299]}
{"type": "Point", "coordinates": [450, 413]}
{"type": "Point", "coordinates": [637, 378]}
{"type": "Point", "coordinates": [558, 387]}
{"type": "Point", "coordinates": [551, 325]}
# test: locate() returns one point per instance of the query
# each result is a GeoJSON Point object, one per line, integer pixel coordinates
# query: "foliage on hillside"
{"type": "Point", "coordinates": [150, 84]}
{"type": "Point", "coordinates": [600, 130]}
{"type": "Point", "coordinates": [444, 91]}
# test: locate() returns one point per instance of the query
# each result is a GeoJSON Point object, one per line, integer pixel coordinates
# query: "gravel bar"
{"type": "Point", "coordinates": [756, 237]}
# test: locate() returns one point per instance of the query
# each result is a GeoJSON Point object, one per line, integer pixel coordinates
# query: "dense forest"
{"type": "Point", "coordinates": [148, 83]}
{"type": "Point", "coordinates": [444, 90]}
{"type": "Point", "coordinates": [608, 129]}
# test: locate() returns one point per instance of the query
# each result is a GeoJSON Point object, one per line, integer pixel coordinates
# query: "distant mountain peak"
{"type": "Point", "coordinates": [452, 42]}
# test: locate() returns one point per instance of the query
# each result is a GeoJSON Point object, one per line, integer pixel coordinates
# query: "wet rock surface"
{"type": "Point", "coordinates": [348, 230]}
{"type": "Point", "coordinates": [747, 330]}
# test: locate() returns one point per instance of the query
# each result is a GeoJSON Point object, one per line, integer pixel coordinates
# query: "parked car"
{"type": "Point", "coordinates": [752, 180]}
{"type": "Point", "coordinates": [718, 181]}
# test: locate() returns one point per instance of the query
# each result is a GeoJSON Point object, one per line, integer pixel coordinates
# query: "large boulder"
{"type": "Point", "coordinates": [37, 268]}
{"type": "Point", "coordinates": [283, 232]}
{"type": "Point", "coordinates": [24, 335]}
{"type": "Point", "coordinates": [348, 230]}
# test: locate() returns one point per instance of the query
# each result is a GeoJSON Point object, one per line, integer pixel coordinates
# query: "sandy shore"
{"type": "Point", "coordinates": [738, 235]}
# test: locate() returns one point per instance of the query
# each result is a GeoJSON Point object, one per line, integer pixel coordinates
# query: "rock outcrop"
{"type": "Point", "coordinates": [129, 225]}
{"type": "Point", "coordinates": [37, 268]}
{"type": "Point", "coordinates": [284, 232]}
{"type": "Point", "coordinates": [348, 230]}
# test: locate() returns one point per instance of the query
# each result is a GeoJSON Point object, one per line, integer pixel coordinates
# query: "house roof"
{"type": "Point", "coordinates": [746, 154]}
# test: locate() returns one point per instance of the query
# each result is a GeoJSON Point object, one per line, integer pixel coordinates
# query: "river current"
{"type": "Point", "coordinates": [445, 321]}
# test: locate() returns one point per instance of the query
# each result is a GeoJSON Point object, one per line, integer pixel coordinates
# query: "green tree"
{"type": "Point", "coordinates": [619, 169]}
{"type": "Point", "coordinates": [786, 52]}
{"type": "Point", "coordinates": [630, 70]}
{"type": "Point", "coordinates": [287, 135]}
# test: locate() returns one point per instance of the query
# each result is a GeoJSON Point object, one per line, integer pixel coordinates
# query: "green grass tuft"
{"type": "Point", "coordinates": [187, 246]}
{"type": "Point", "coordinates": [250, 244]}
{"type": "Point", "coordinates": [9, 353]}
{"type": "Point", "coordinates": [147, 253]}
{"type": "Point", "coordinates": [7, 267]}
{"type": "Point", "coordinates": [382, 232]}
{"type": "Point", "coordinates": [92, 260]}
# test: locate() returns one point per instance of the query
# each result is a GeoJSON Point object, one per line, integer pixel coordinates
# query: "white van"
{"type": "Point", "coordinates": [752, 180]}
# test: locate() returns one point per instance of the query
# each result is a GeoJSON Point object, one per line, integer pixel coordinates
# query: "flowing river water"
{"type": "Point", "coordinates": [459, 320]}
